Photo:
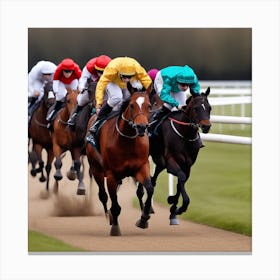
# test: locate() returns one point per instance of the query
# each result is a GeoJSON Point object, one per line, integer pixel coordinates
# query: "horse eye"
{"type": "Point", "coordinates": [131, 106]}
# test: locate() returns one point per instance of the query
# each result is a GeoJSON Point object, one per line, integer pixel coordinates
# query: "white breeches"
{"type": "Point", "coordinates": [82, 98]}
{"type": "Point", "coordinates": [180, 96]}
{"type": "Point", "coordinates": [60, 89]}
{"type": "Point", "coordinates": [116, 95]}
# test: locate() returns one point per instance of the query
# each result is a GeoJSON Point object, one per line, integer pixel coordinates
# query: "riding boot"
{"type": "Point", "coordinates": [105, 110]}
{"type": "Point", "coordinates": [31, 102]}
{"type": "Point", "coordinates": [53, 111]}
{"type": "Point", "coordinates": [73, 117]}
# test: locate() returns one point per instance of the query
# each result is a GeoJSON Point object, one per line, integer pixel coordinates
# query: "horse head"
{"type": "Point", "coordinates": [198, 110]}
{"type": "Point", "coordinates": [70, 100]}
{"type": "Point", "coordinates": [48, 97]}
{"type": "Point", "coordinates": [137, 112]}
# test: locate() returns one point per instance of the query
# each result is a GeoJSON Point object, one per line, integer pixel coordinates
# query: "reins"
{"type": "Point", "coordinates": [118, 129]}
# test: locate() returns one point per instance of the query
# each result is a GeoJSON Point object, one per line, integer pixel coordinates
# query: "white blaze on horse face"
{"type": "Point", "coordinates": [203, 106]}
{"type": "Point", "coordinates": [140, 100]}
{"type": "Point", "coordinates": [51, 94]}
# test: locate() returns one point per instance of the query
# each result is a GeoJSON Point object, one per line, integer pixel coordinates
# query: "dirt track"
{"type": "Point", "coordinates": [80, 221]}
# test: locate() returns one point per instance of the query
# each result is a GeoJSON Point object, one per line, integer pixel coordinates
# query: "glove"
{"type": "Point", "coordinates": [180, 107]}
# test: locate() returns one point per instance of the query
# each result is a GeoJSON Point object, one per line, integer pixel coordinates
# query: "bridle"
{"type": "Point", "coordinates": [131, 122]}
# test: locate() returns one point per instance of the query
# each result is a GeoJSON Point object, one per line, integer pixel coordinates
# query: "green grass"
{"type": "Point", "coordinates": [219, 188]}
{"type": "Point", "coordinates": [38, 242]}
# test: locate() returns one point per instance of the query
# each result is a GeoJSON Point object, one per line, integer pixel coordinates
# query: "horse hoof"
{"type": "Point", "coordinates": [152, 211]}
{"type": "Point", "coordinates": [142, 224]}
{"type": "Point", "coordinates": [81, 192]}
{"type": "Point", "coordinates": [71, 175]}
{"type": "Point", "coordinates": [115, 230]}
{"type": "Point", "coordinates": [33, 172]}
{"type": "Point", "coordinates": [57, 176]}
{"type": "Point", "coordinates": [174, 222]}
{"type": "Point", "coordinates": [42, 179]}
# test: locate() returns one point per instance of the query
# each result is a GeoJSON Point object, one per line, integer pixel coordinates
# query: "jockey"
{"type": "Point", "coordinates": [171, 83]}
{"type": "Point", "coordinates": [39, 75]}
{"type": "Point", "coordinates": [116, 75]}
{"type": "Point", "coordinates": [91, 72]}
{"type": "Point", "coordinates": [152, 73]}
{"type": "Point", "coordinates": [66, 75]}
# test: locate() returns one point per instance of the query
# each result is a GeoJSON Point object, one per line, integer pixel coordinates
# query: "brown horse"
{"type": "Point", "coordinates": [41, 139]}
{"type": "Point", "coordinates": [124, 151]}
{"type": "Point", "coordinates": [64, 139]}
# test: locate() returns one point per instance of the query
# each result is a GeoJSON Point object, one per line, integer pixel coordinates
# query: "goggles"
{"type": "Point", "coordinates": [67, 71]}
{"type": "Point", "coordinates": [126, 76]}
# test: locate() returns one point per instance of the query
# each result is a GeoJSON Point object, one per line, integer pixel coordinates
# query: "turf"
{"type": "Point", "coordinates": [38, 242]}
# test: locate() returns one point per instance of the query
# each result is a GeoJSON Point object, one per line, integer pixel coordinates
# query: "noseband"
{"type": "Point", "coordinates": [131, 122]}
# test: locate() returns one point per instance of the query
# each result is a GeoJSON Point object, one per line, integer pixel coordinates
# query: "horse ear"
{"type": "Point", "coordinates": [130, 88]}
{"type": "Point", "coordinates": [207, 91]}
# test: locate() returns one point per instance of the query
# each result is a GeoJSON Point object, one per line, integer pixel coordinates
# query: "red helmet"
{"type": "Point", "coordinates": [67, 64]}
{"type": "Point", "coordinates": [101, 62]}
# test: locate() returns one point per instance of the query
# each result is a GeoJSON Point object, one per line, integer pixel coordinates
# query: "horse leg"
{"type": "Point", "coordinates": [71, 173]}
{"type": "Point", "coordinates": [174, 168]}
{"type": "Point", "coordinates": [140, 188]}
{"type": "Point", "coordinates": [38, 150]}
{"type": "Point", "coordinates": [143, 176]}
{"type": "Point", "coordinates": [81, 186]}
{"type": "Point", "coordinates": [181, 187]}
{"type": "Point", "coordinates": [103, 197]}
{"type": "Point", "coordinates": [115, 209]}
{"type": "Point", "coordinates": [33, 160]}
{"type": "Point", "coordinates": [48, 167]}
{"type": "Point", "coordinates": [140, 194]}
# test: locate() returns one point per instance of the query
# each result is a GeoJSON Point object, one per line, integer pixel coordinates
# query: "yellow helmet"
{"type": "Point", "coordinates": [127, 67]}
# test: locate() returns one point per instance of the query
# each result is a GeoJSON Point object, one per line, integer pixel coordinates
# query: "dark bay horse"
{"type": "Point", "coordinates": [176, 147]}
{"type": "Point", "coordinates": [124, 152]}
{"type": "Point", "coordinates": [41, 139]}
{"type": "Point", "coordinates": [65, 139]}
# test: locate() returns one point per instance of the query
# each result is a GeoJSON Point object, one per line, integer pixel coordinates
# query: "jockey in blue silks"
{"type": "Point", "coordinates": [171, 84]}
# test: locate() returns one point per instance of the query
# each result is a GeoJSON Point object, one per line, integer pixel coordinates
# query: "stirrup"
{"type": "Point", "coordinates": [91, 139]}
{"type": "Point", "coordinates": [72, 120]}
{"type": "Point", "coordinates": [93, 128]}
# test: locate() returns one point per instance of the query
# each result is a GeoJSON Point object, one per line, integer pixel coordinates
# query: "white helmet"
{"type": "Point", "coordinates": [48, 67]}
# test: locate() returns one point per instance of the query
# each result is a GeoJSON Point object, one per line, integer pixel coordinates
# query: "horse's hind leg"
{"type": "Point", "coordinates": [140, 194]}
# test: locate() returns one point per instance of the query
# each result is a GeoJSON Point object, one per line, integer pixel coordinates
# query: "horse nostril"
{"type": "Point", "coordinates": [141, 129]}
{"type": "Point", "coordinates": [205, 128]}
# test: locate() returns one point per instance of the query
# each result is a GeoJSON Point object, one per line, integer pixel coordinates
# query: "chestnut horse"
{"type": "Point", "coordinates": [64, 139]}
{"type": "Point", "coordinates": [124, 152]}
{"type": "Point", "coordinates": [176, 145]}
{"type": "Point", "coordinates": [41, 139]}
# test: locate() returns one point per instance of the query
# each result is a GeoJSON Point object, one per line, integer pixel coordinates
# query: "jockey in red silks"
{"type": "Point", "coordinates": [91, 72]}
{"type": "Point", "coordinates": [66, 75]}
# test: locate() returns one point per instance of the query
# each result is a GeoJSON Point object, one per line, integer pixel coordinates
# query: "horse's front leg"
{"type": "Point", "coordinates": [58, 164]}
{"type": "Point", "coordinates": [115, 210]}
{"type": "Point", "coordinates": [77, 166]}
{"type": "Point", "coordinates": [48, 166]}
{"type": "Point", "coordinates": [174, 169]}
{"type": "Point", "coordinates": [143, 176]}
{"type": "Point", "coordinates": [140, 188]}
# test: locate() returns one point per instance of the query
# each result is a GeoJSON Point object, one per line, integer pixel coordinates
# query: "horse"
{"type": "Point", "coordinates": [176, 147]}
{"type": "Point", "coordinates": [64, 139]}
{"type": "Point", "coordinates": [123, 152]}
{"type": "Point", "coordinates": [41, 139]}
